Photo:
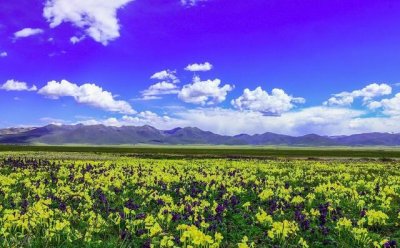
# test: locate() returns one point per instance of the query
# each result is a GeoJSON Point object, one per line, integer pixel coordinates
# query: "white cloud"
{"type": "Point", "coordinates": [199, 67]}
{"type": "Point", "coordinates": [259, 100]}
{"type": "Point", "coordinates": [319, 120]}
{"type": "Point", "coordinates": [147, 98]}
{"type": "Point", "coordinates": [143, 118]}
{"type": "Point", "coordinates": [3, 54]}
{"type": "Point", "coordinates": [89, 94]}
{"type": "Point", "coordinates": [53, 121]}
{"type": "Point", "coordinates": [26, 32]}
{"type": "Point", "coordinates": [367, 94]}
{"type": "Point", "coordinates": [191, 2]}
{"type": "Point", "coordinates": [161, 88]}
{"type": "Point", "coordinates": [389, 106]}
{"type": "Point", "coordinates": [167, 75]}
{"type": "Point", "coordinates": [97, 17]}
{"type": "Point", "coordinates": [204, 92]}
{"type": "Point", "coordinates": [12, 85]}
{"type": "Point", "coordinates": [152, 119]}
{"type": "Point", "coordinates": [75, 40]}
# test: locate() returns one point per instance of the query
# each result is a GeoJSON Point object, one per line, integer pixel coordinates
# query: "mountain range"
{"type": "Point", "coordinates": [106, 135]}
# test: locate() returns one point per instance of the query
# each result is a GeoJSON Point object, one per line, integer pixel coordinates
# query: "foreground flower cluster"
{"type": "Point", "coordinates": [130, 202]}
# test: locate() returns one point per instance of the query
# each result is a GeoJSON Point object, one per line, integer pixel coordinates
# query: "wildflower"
{"type": "Point", "coordinates": [266, 194]}
{"type": "Point", "coordinates": [244, 243]}
{"type": "Point", "coordinates": [344, 224]}
{"type": "Point", "coordinates": [302, 243]}
{"type": "Point", "coordinates": [297, 200]}
{"type": "Point", "coordinates": [167, 241]}
{"type": "Point", "coordinates": [155, 229]}
{"type": "Point", "coordinates": [282, 230]}
{"type": "Point", "coordinates": [263, 218]}
{"type": "Point", "coordinates": [376, 218]}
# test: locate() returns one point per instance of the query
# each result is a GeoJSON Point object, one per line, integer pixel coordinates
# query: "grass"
{"type": "Point", "coordinates": [221, 151]}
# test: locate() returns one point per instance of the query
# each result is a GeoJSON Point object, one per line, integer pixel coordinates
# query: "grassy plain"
{"type": "Point", "coordinates": [221, 151]}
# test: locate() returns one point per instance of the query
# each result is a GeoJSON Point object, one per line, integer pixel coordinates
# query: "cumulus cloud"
{"type": "Point", "coordinates": [367, 94]}
{"type": "Point", "coordinates": [259, 100]}
{"type": "Point", "coordinates": [389, 106]}
{"type": "Point", "coordinates": [161, 88]}
{"type": "Point", "coordinates": [199, 67]}
{"type": "Point", "coordinates": [89, 94]}
{"type": "Point", "coordinates": [190, 3]}
{"type": "Point", "coordinates": [3, 54]}
{"type": "Point", "coordinates": [13, 85]}
{"type": "Point", "coordinates": [97, 17]}
{"type": "Point", "coordinates": [26, 32]}
{"type": "Point", "coordinates": [167, 75]}
{"type": "Point", "coordinates": [75, 40]}
{"type": "Point", "coordinates": [207, 92]}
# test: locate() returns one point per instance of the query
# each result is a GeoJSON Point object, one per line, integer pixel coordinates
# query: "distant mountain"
{"type": "Point", "coordinates": [371, 139]}
{"type": "Point", "coordinates": [15, 130]}
{"type": "Point", "coordinates": [105, 135]}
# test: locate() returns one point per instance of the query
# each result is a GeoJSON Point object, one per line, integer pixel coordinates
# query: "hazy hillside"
{"type": "Point", "coordinates": [105, 135]}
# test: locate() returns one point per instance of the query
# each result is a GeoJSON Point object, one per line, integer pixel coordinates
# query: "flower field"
{"type": "Point", "coordinates": [134, 202]}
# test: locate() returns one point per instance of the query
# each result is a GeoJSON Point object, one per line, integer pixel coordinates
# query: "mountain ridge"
{"type": "Point", "coordinates": [109, 135]}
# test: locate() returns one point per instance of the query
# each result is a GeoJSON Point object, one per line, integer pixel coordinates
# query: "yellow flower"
{"type": "Point", "coordinates": [266, 194]}
{"type": "Point", "coordinates": [297, 200]}
{"type": "Point", "coordinates": [263, 218]}
{"type": "Point", "coordinates": [344, 224]}
{"type": "Point", "coordinates": [282, 230]}
{"type": "Point", "coordinates": [244, 243]}
{"type": "Point", "coordinates": [155, 229]}
{"type": "Point", "coordinates": [376, 218]}
{"type": "Point", "coordinates": [303, 243]}
{"type": "Point", "coordinates": [167, 241]}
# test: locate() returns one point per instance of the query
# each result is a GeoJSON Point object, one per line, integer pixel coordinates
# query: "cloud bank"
{"type": "Point", "coordinates": [319, 120]}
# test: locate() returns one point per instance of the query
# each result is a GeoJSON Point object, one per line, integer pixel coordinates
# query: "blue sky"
{"type": "Point", "coordinates": [326, 67]}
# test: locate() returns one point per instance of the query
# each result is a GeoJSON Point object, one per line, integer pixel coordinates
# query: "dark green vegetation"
{"type": "Point", "coordinates": [221, 151]}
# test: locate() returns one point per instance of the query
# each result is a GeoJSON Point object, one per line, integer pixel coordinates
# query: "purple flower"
{"type": "Point", "coordinates": [220, 209]}
{"type": "Point", "coordinates": [140, 216]}
{"type": "Point", "coordinates": [140, 232]}
{"type": "Point", "coordinates": [390, 244]}
{"type": "Point", "coordinates": [62, 206]}
{"type": "Point", "coordinates": [124, 234]}
{"type": "Point", "coordinates": [131, 205]}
